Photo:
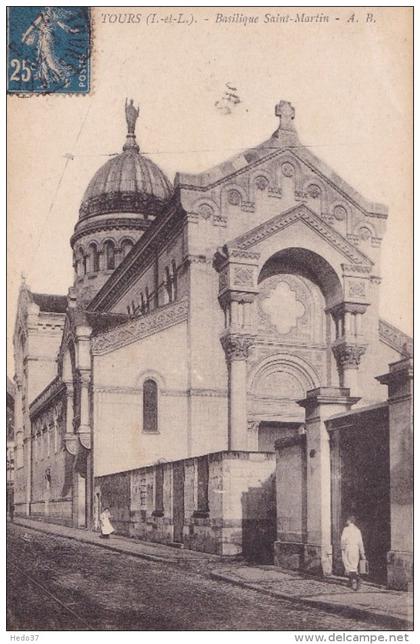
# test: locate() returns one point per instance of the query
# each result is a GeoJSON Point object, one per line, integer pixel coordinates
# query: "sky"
{"type": "Point", "coordinates": [350, 83]}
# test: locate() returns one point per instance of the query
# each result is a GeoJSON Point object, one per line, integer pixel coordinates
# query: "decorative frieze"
{"type": "Point", "coordinates": [351, 269]}
{"type": "Point", "coordinates": [243, 276]}
{"type": "Point", "coordinates": [356, 289]}
{"type": "Point", "coordinates": [395, 338]}
{"type": "Point", "coordinates": [248, 206]}
{"type": "Point", "coordinates": [157, 320]}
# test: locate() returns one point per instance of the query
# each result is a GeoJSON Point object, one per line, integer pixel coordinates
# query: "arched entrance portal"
{"type": "Point", "coordinates": [292, 352]}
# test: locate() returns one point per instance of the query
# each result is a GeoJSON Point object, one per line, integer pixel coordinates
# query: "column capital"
{"type": "Point", "coordinates": [236, 346]}
{"type": "Point", "coordinates": [348, 354]}
{"type": "Point", "coordinates": [84, 377]}
{"type": "Point", "coordinates": [348, 307]}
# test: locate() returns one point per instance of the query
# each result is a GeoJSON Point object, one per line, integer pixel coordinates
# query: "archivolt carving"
{"type": "Point", "coordinates": [303, 375]}
{"type": "Point", "coordinates": [279, 222]}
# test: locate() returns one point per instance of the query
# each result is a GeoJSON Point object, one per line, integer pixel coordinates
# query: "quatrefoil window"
{"type": "Point", "coordinates": [283, 308]}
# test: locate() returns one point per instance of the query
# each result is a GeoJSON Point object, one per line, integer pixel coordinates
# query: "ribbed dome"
{"type": "Point", "coordinates": [129, 182]}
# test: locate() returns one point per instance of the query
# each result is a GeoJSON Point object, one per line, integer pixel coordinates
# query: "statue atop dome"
{"type": "Point", "coordinates": [131, 115]}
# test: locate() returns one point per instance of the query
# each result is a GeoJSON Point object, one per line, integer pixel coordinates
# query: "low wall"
{"type": "Point", "coordinates": [54, 511]}
{"type": "Point", "coordinates": [221, 503]}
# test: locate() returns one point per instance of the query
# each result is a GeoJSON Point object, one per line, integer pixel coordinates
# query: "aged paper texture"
{"type": "Point", "coordinates": [209, 318]}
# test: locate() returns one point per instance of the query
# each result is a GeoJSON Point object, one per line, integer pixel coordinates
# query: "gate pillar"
{"type": "Point", "coordinates": [320, 404]}
{"type": "Point", "coordinates": [400, 400]}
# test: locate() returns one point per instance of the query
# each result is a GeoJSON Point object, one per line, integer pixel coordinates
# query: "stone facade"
{"type": "Point", "coordinates": [216, 316]}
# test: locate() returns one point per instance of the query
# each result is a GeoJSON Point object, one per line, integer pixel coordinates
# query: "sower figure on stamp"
{"type": "Point", "coordinates": [106, 525]}
{"type": "Point", "coordinates": [352, 550]}
{"type": "Point", "coordinates": [42, 32]}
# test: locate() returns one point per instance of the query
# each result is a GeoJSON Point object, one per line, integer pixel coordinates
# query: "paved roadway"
{"type": "Point", "coordinates": [55, 583]}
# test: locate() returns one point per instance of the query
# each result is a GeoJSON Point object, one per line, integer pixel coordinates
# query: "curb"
{"type": "Point", "coordinates": [393, 623]}
{"type": "Point", "coordinates": [106, 546]}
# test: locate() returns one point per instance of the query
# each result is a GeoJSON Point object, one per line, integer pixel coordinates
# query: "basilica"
{"type": "Point", "coordinates": [218, 374]}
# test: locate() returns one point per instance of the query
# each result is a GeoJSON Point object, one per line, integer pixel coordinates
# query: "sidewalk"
{"type": "Point", "coordinates": [392, 608]}
{"type": "Point", "coordinates": [143, 549]}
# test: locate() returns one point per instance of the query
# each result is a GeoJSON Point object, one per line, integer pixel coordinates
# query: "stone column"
{"type": "Point", "coordinates": [320, 404]}
{"type": "Point", "coordinates": [400, 400]}
{"type": "Point", "coordinates": [349, 345]}
{"type": "Point", "coordinates": [253, 428]}
{"type": "Point", "coordinates": [84, 368]}
{"type": "Point", "coordinates": [70, 438]}
{"type": "Point", "coordinates": [236, 347]}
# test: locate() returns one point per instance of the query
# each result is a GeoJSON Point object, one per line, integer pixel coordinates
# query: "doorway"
{"type": "Point", "coordinates": [361, 487]}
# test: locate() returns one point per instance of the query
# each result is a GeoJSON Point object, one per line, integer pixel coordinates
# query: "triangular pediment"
{"type": "Point", "coordinates": [291, 217]}
{"type": "Point", "coordinates": [266, 157]}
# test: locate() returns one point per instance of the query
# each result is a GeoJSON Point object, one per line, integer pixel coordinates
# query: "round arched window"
{"type": "Point", "coordinates": [150, 406]}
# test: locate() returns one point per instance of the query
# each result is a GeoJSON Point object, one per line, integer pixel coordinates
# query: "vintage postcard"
{"type": "Point", "coordinates": [209, 379]}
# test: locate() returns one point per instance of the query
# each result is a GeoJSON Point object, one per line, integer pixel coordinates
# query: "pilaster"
{"type": "Point", "coordinates": [238, 273]}
{"type": "Point", "coordinates": [236, 347]}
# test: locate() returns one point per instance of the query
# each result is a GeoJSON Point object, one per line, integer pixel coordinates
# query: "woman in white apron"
{"type": "Point", "coordinates": [106, 525]}
{"type": "Point", "coordinates": [352, 550]}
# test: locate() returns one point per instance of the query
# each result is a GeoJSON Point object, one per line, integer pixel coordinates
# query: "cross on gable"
{"type": "Point", "coordinates": [286, 113]}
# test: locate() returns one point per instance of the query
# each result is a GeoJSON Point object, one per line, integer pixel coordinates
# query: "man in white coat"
{"type": "Point", "coordinates": [352, 550]}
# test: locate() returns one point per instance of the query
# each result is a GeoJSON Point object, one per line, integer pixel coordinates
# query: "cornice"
{"type": "Point", "coordinates": [51, 391]}
{"type": "Point", "coordinates": [109, 224]}
{"type": "Point", "coordinates": [146, 325]}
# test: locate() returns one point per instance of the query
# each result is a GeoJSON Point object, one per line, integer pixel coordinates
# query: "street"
{"type": "Point", "coordinates": [55, 583]}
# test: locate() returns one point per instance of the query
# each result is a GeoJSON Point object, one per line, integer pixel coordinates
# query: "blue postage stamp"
{"type": "Point", "coordinates": [48, 50]}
